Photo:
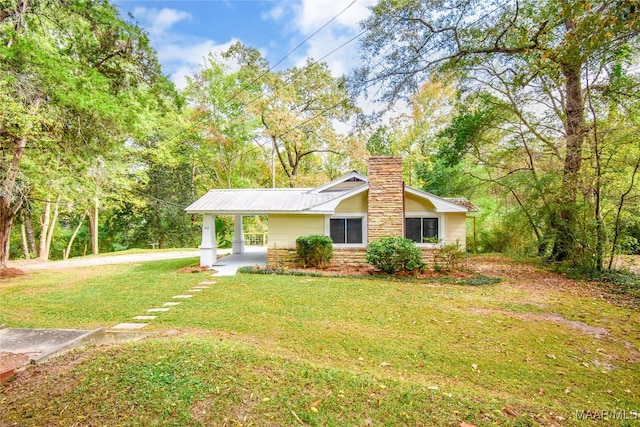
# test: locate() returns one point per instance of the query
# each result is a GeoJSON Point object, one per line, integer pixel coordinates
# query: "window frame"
{"type": "Point", "coordinates": [422, 216]}
{"type": "Point", "coordinates": [346, 216]}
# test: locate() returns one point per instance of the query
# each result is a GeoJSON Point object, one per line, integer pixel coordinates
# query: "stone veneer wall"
{"type": "Point", "coordinates": [385, 216]}
{"type": "Point", "coordinates": [279, 258]}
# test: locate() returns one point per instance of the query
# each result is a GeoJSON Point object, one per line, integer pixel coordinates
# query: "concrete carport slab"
{"type": "Point", "coordinates": [40, 343]}
{"type": "Point", "coordinates": [228, 265]}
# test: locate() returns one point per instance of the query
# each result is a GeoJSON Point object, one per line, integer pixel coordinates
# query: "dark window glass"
{"type": "Point", "coordinates": [430, 227]}
{"type": "Point", "coordinates": [337, 230]}
{"type": "Point", "coordinates": [412, 229]}
{"type": "Point", "coordinates": [354, 230]}
{"type": "Point", "coordinates": [345, 230]}
{"type": "Point", "coordinates": [421, 230]}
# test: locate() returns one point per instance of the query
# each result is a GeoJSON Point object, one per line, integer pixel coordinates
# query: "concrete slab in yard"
{"type": "Point", "coordinates": [145, 317]}
{"type": "Point", "coordinates": [170, 304]}
{"type": "Point", "coordinates": [40, 343]}
{"type": "Point", "coordinates": [182, 296]}
{"type": "Point", "coordinates": [157, 310]}
{"type": "Point", "coordinates": [129, 326]}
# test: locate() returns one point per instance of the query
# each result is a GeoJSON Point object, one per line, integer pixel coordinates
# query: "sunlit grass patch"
{"type": "Point", "coordinates": [291, 350]}
{"type": "Point", "coordinates": [91, 297]}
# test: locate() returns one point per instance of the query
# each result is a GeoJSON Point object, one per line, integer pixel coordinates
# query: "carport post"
{"type": "Point", "coordinates": [237, 246]}
{"type": "Point", "coordinates": [208, 248]}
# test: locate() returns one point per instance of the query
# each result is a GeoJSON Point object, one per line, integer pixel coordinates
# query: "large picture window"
{"type": "Point", "coordinates": [346, 230]}
{"type": "Point", "coordinates": [422, 230]}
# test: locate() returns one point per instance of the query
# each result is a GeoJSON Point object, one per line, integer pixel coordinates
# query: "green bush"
{"type": "Point", "coordinates": [449, 257]}
{"type": "Point", "coordinates": [394, 254]}
{"type": "Point", "coordinates": [314, 251]}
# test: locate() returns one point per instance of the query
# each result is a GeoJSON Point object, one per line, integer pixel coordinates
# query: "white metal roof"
{"type": "Point", "coordinates": [319, 200]}
{"type": "Point", "coordinates": [260, 201]}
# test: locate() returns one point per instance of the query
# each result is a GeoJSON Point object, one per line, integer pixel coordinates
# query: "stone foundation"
{"type": "Point", "coordinates": [342, 257]}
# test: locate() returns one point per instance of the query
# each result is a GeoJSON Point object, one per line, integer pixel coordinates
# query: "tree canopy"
{"type": "Point", "coordinates": [530, 70]}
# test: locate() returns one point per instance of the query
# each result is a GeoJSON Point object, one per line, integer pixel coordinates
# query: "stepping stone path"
{"type": "Point", "coordinates": [166, 307]}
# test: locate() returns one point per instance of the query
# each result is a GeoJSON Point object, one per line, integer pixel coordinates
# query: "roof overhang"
{"type": "Point", "coordinates": [440, 204]}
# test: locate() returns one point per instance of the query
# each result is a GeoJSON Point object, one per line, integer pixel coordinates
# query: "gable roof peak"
{"type": "Point", "coordinates": [345, 182]}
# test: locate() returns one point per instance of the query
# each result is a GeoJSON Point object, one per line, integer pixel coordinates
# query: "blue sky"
{"type": "Point", "coordinates": [184, 32]}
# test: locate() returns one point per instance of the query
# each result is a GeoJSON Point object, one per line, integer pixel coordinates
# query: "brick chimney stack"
{"type": "Point", "coordinates": [385, 217]}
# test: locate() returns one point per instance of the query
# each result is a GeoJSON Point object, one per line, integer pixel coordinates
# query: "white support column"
{"type": "Point", "coordinates": [237, 246]}
{"type": "Point", "coordinates": [208, 248]}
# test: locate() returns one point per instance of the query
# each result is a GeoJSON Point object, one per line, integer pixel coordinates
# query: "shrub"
{"type": "Point", "coordinates": [449, 257]}
{"type": "Point", "coordinates": [314, 251]}
{"type": "Point", "coordinates": [394, 254]}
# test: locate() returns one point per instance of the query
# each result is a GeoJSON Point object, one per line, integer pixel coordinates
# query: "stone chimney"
{"type": "Point", "coordinates": [385, 217]}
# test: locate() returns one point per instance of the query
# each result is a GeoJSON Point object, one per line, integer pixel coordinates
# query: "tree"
{"type": "Point", "coordinates": [68, 87]}
{"type": "Point", "coordinates": [535, 56]}
{"type": "Point", "coordinates": [299, 109]}
{"type": "Point", "coordinates": [221, 130]}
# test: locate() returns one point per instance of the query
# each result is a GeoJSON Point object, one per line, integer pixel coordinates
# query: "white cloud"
{"type": "Point", "coordinates": [311, 15]}
{"type": "Point", "coordinates": [181, 55]}
{"type": "Point", "coordinates": [158, 21]}
{"type": "Point", "coordinates": [274, 14]}
{"type": "Point", "coordinates": [181, 60]}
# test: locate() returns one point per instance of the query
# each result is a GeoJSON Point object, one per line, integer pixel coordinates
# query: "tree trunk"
{"type": "Point", "coordinates": [5, 228]}
{"type": "Point", "coordinates": [31, 236]}
{"type": "Point", "coordinates": [44, 222]}
{"type": "Point", "coordinates": [8, 205]}
{"type": "Point", "coordinates": [67, 252]}
{"type": "Point", "coordinates": [25, 244]}
{"type": "Point", "coordinates": [564, 223]}
{"type": "Point", "coordinates": [93, 227]}
{"type": "Point", "coordinates": [52, 226]}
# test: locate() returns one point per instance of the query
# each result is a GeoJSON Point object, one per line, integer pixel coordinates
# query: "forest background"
{"type": "Point", "coordinates": [528, 109]}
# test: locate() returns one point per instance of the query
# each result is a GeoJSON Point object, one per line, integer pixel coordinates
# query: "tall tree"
{"type": "Point", "coordinates": [66, 87]}
{"type": "Point", "coordinates": [539, 51]}
{"type": "Point", "coordinates": [299, 109]}
{"type": "Point", "coordinates": [221, 130]}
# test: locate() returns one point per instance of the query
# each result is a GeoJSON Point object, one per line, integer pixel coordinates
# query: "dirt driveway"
{"type": "Point", "coordinates": [27, 265]}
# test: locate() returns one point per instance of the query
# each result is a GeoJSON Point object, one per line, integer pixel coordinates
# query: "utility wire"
{"type": "Point", "coordinates": [191, 126]}
{"type": "Point", "coordinates": [290, 52]}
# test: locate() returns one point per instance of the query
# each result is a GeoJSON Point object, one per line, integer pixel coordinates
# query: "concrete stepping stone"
{"type": "Point", "coordinates": [195, 290]}
{"type": "Point", "coordinates": [183, 296]}
{"type": "Point", "coordinates": [130, 326]}
{"type": "Point", "coordinates": [157, 310]}
{"type": "Point", "coordinates": [145, 317]}
{"type": "Point", "coordinates": [201, 287]}
{"type": "Point", "coordinates": [207, 283]}
{"type": "Point", "coordinates": [170, 304]}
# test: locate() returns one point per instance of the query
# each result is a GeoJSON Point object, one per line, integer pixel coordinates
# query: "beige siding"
{"type": "Point", "coordinates": [355, 204]}
{"type": "Point", "coordinates": [285, 229]}
{"type": "Point", "coordinates": [414, 204]}
{"type": "Point", "coordinates": [456, 228]}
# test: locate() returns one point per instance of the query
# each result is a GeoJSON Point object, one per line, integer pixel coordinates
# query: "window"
{"type": "Point", "coordinates": [422, 230]}
{"type": "Point", "coordinates": [346, 230]}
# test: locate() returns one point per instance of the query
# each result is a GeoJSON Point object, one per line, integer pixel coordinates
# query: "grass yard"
{"type": "Point", "coordinates": [535, 349]}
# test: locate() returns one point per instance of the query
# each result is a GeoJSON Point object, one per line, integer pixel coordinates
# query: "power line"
{"type": "Point", "coordinates": [291, 52]}
{"type": "Point", "coordinates": [271, 68]}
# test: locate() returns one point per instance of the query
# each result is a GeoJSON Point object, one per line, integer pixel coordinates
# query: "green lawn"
{"type": "Point", "coordinates": [295, 350]}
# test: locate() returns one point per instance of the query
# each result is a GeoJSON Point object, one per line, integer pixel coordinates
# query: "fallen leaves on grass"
{"type": "Point", "coordinates": [9, 273]}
